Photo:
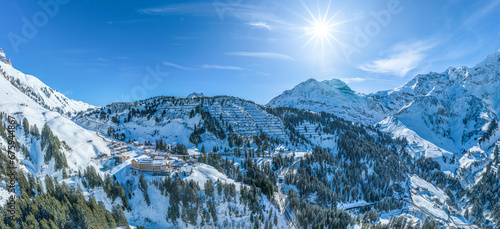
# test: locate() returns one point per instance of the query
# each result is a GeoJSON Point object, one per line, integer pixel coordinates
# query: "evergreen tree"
{"type": "Point", "coordinates": [495, 155]}
{"type": "Point", "coordinates": [219, 187]}
{"type": "Point", "coordinates": [119, 216]}
{"type": "Point", "coordinates": [50, 143]}
{"type": "Point", "coordinates": [26, 126]}
{"type": "Point", "coordinates": [209, 188]}
{"type": "Point", "coordinates": [35, 132]}
{"type": "Point", "coordinates": [144, 187]}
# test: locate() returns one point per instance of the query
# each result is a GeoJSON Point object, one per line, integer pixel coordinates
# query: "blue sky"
{"type": "Point", "coordinates": [109, 51]}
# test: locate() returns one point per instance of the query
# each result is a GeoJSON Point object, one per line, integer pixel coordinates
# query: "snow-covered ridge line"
{"type": "Point", "coordinates": [4, 59]}
{"type": "Point", "coordinates": [41, 93]}
{"type": "Point", "coordinates": [451, 110]}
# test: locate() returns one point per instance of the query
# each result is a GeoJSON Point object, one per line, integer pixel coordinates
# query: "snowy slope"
{"type": "Point", "coordinates": [172, 119]}
{"type": "Point", "coordinates": [3, 58]}
{"type": "Point", "coordinates": [39, 92]}
{"type": "Point", "coordinates": [85, 145]}
{"type": "Point", "coordinates": [74, 135]}
{"type": "Point", "coordinates": [455, 106]}
{"type": "Point", "coordinates": [332, 96]}
{"type": "Point", "coordinates": [441, 114]}
{"type": "Point", "coordinates": [451, 112]}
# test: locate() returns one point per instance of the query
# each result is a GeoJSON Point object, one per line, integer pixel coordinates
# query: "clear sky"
{"type": "Point", "coordinates": [103, 51]}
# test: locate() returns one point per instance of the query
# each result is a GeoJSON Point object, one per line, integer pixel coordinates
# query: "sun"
{"type": "Point", "coordinates": [321, 27]}
{"type": "Point", "coordinates": [320, 30]}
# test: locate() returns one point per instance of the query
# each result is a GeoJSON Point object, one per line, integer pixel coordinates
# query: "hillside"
{"type": "Point", "coordinates": [39, 92]}
{"type": "Point", "coordinates": [422, 154]}
{"type": "Point", "coordinates": [333, 96]}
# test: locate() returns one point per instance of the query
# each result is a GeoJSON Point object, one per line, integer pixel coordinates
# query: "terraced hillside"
{"type": "Point", "coordinates": [174, 119]}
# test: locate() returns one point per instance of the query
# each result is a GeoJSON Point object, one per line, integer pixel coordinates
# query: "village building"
{"type": "Point", "coordinates": [192, 161]}
{"type": "Point", "coordinates": [158, 165]}
{"type": "Point", "coordinates": [143, 164]}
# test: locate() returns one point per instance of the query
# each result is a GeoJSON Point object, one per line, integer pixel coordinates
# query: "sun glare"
{"type": "Point", "coordinates": [320, 30]}
{"type": "Point", "coordinates": [321, 27]}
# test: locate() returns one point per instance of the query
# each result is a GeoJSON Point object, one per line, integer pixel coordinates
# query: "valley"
{"type": "Point", "coordinates": [317, 156]}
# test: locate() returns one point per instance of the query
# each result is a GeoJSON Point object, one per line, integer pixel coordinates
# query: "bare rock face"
{"type": "Point", "coordinates": [3, 58]}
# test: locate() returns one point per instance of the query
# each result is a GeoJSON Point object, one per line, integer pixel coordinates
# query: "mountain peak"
{"type": "Point", "coordinates": [311, 80]}
{"type": "Point", "coordinates": [36, 90]}
{"type": "Point", "coordinates": [3, 58]}
{"type": "Point", "coordinates": [326, 85]}
{"type": "Point", "coordinates": [337, 84]}
{"type": "Point", "coordinates": [492, 59]}
{"type": "Point", "coordinates": [332, 96]}
{"type": "Point", "coordinates": [195, 95]}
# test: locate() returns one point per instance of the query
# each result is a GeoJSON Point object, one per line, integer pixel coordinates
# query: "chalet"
{"type": "Point", "coordinates": [163, 155]}
{"type": "Point", "coordinates": [178, 164]}
{"type": "Point", "coordinates": [101, 156]}
{"type": "Point", "coordinates": [121, 159]}
{"type": "Point", "coordinates": [192, 161]}
{"type": "Point", "coordinates": [24, 104]}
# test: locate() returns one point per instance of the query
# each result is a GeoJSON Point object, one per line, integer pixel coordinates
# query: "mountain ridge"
{"type": "Point", "coordinates": [39, 91]}
{"type": "Point", "coordinates": [443, 128]}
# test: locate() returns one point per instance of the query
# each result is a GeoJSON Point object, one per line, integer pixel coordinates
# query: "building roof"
{"type": "Point", "coordinates": [145, 161]}
{"type": "Point", "coordinates": [159, 162]}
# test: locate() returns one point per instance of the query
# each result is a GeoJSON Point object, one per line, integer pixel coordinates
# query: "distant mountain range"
{"type": "Point", "coordinates": [455, 110]}
{"type": "Point", "coordinates": [440, 123]}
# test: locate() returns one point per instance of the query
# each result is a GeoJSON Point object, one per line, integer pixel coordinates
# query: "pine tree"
{"type": "Point", "coordinates": [26, 126]}
{"type": "Point", "coordinates": [144, 188]}
{"type": "Point", "coordinates": [49, 185]}
{"type": "Point", "coordinates": [209, 188]}
{"type": "Point", "coordinates": [495, 155]}
{"type": "Point", "coordinates": [219, 187]}
{"type": "Point", "coordinates": [35, 132]}
{"type": "Point", "coordinates": [50, 143]}
{"type": "Point", "coordinates": [212, 210]}
{"type": "Point", "coordinates": [119, 217]}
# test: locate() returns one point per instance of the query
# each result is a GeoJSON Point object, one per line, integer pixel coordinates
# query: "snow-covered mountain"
{"type": "Point", "coordinates": [333, 96]}
{"type": "Point", "coordinates": [83, 144]}
{"type": "Point", "coordinates": [454, 110]}
{"type": "Point", "coordinates": [174, 119]}
{"type": "Point", "coordinates": [39, 92]}
{"type": "Point", "coordinates": [3, 58]}
{"type": "Point", "coordinates": [195, 95]}
{"type": "Point", "coordinates": [26, 98]}
{"type": "Point", "coordinates": [449, 121]}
